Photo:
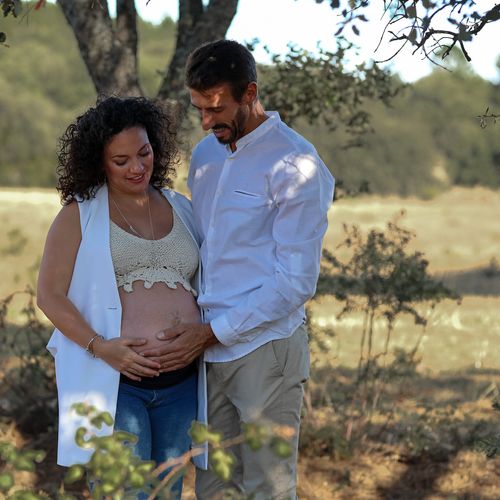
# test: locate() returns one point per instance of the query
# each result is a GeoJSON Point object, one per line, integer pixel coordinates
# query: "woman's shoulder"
{"type": "Point", "coordinates": [183, 207]}
{"type": "Point", "coordinates": [67, 221]}
{"type": "Point", "coordinates": [177, 198]}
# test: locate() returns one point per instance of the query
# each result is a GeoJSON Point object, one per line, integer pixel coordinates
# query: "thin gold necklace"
{"type": "Point", "coordinates": [132, 228]}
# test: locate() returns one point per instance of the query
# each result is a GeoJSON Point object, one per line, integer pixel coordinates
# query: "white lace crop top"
{"type": "Point", "coordinates": [172, 259]}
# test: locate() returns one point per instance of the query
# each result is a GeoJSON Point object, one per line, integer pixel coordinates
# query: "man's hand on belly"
{"type": "Point", "coordinates": [183, 344]}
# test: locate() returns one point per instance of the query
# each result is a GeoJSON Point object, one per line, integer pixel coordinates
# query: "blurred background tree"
{"type": "Point", "coordinates": [426, 140]}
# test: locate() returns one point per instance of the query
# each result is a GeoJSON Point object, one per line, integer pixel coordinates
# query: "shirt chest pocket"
{"type": "Point", "coordinates": [252, 208]}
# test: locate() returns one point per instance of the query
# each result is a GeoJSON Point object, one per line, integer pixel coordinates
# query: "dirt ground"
{"type": "Point", "coordinates": [382, 474]}
{"type": "Point", "coordinates": [434, 461]}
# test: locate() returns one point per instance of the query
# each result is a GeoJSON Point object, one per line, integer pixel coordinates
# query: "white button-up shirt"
{"type": "Point", "coordinates": [262, 214]}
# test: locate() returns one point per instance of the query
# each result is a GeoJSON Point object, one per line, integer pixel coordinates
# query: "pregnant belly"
{"type": "Point", "coordinates": [145, 312]}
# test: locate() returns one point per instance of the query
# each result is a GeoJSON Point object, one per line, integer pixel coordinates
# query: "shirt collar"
{"type": "Point", "coordinates": [272, 121]}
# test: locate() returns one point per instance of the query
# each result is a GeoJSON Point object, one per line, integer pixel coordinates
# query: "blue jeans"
{"type": "Point", "coordinates": [160, 418]}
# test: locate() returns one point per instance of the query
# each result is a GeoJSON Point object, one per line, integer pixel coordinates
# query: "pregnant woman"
{"type": "Point", "coordinates": [120, 264]}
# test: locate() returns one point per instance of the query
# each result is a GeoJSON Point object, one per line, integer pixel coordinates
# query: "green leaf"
{"type": "Point", "coordinates": [102, 459]}
{"type": "Point", "coordinates": [81, 409]}
{"type": "Point", "coordinates": [6, 482]}
{"type": "Point", "coordinates": [107, 418]}
{"type": "Point", "coordinates": [80, 437]}
{"type": "Point", "coordinates": [23, 463]}
{"type": "Point", "coordinates": [145, 467]}
{"type": "Point", "coordinates": [411, 11]}
{"type": "Point", "coordinates": [255, 435]}
{"type": "Point", "coordinates": [136, 480]}
{"type": "Point", "coordinates": [222, 463]}
{"type": "Point", "coordinates": [96, 422]}
{"type": "Point", "coordinates": [123, 436]}
{"type": "Point", "coordinates": [280, 447]}
{"type": "Point", "coordinates": [200, 433]}
{"type": "Point", "coordinates": [108, 488]}
{"type": "Point", "coordinates": [26, 495]}
{"type": "Point", "coordinates": [75, 473]}
{"type": "Point", "coordinates": [101, 418]}
{"type": "Point", "coordinates": [8, 452]}
{"type": "Point", "coordinates": [36, 455]}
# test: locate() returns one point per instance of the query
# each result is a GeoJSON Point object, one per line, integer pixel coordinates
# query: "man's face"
{"type": "Point", "coordinates": [220, 112]}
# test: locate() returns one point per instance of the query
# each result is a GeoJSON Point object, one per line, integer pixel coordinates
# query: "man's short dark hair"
{"type": "Point", "coordinates": [222, 61]}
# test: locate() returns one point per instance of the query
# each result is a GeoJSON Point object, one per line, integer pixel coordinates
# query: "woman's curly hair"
{"type": "Point", "coordinates": [81, 147]}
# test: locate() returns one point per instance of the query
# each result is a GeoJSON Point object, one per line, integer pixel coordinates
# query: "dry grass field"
{"type": "Point", "coordinates": [444, 405]}
{"type": "Point", "coordinates": [458, 232]}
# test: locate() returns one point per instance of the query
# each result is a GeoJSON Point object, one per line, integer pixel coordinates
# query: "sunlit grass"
{"type": "Point", "coordinates": [457, 336]}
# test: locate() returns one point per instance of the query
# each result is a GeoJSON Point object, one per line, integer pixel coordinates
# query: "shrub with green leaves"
{"type": "Point", "coordinates": [382, 279]}
{"type": "Point", "coordinates": [116, 473]}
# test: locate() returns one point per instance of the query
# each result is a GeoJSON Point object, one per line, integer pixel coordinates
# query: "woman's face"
{"type": "Point", "coordinates": [128, 161]}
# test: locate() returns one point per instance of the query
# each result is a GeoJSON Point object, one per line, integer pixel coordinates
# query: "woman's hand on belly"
{"type": "Point", "coordinates": [152, 340]}
{"type": "Point", "coordinates": [120, 354]}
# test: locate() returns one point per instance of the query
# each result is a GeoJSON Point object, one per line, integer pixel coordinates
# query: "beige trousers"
{"type": "Point", "coordinates": [265, 385]}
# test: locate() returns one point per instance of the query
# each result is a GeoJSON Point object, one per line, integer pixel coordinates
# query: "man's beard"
{"type": "Point", "coordinates": [235, 127]}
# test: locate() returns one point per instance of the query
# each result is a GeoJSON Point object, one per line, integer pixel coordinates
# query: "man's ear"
{"type": "Point", "coordinates": [250, 95]}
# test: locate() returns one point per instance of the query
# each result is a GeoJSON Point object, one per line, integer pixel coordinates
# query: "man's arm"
{"type": "Point", "coordinates": [303, 192]}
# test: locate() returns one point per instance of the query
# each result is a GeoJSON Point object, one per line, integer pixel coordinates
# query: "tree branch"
{"type": "Point", "coordinates": [126, 23]}
{"type": "Point", "coordinates": [433, 22]}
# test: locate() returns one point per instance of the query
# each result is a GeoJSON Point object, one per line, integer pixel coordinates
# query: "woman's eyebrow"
{"type": "Point", "coordinates": [126, 156]}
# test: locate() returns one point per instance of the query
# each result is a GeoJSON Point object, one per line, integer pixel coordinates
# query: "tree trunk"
{"type": "Point", "coordinates": [197, 24]}
{"type": "Point", "coordinates": [109, 49]}
{"type": "Point", "coordinates": [109, 52]}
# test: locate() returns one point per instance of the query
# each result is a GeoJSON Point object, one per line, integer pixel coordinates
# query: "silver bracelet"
{"type": "Point", "coordinates": [89, 347]}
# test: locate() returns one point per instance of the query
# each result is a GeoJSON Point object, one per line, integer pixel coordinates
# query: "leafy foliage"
{"type": "Point", "coordinates": [28, 385]}
{"type": "Point", "coordinates": [427, 25]}
{"type": "Point", "coordinates": [18, 460]}
{"type": "Point", "coordinates": [319, 88]}
{"type": "Point", "coordinates": [381, 274]}
{"type": "Point", "coordinates": [115, 473]}
{"type": "Point", "coordinates": [427, 140]}
{"type": "Point", "coordinates": [382, 280]}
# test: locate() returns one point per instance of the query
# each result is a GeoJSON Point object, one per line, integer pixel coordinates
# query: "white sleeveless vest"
{"type": "Point", "coordinates": [93, 290]}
